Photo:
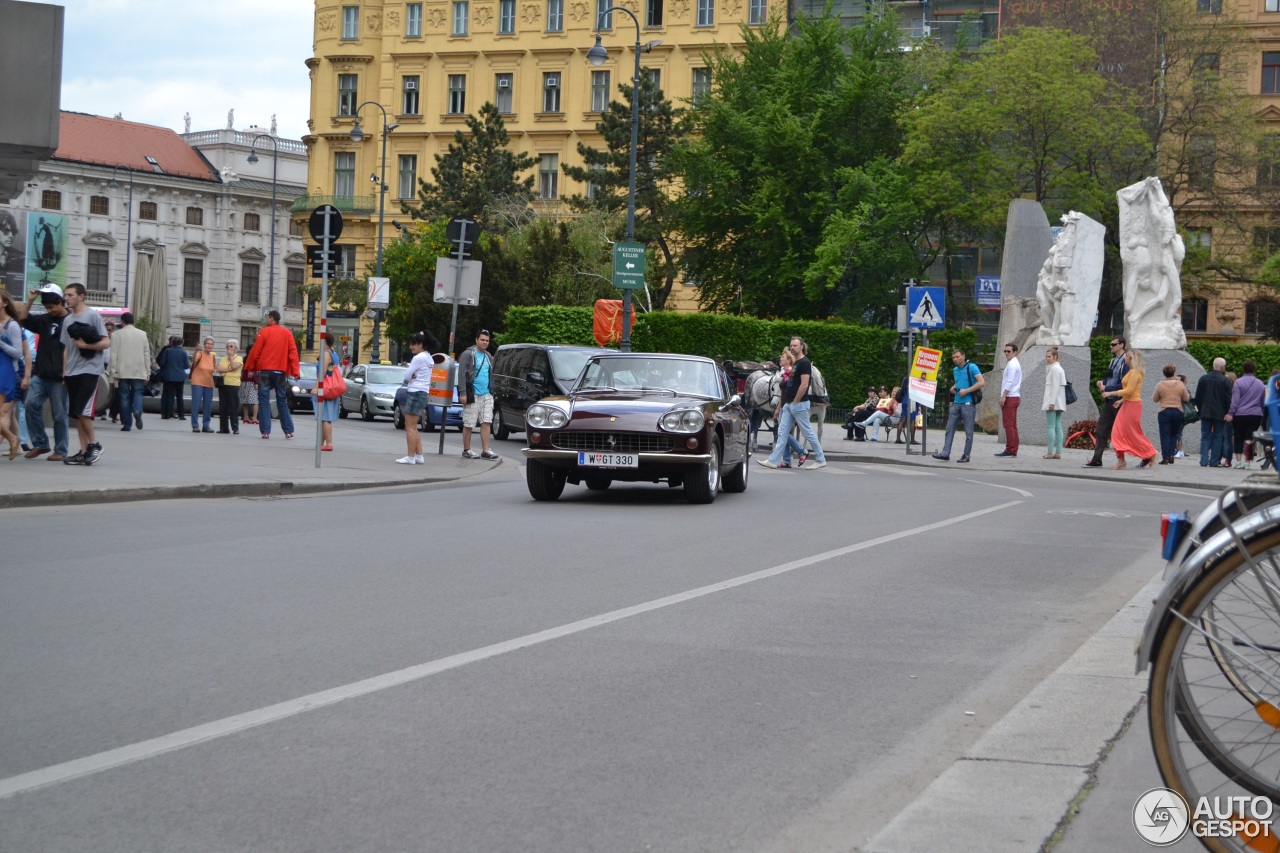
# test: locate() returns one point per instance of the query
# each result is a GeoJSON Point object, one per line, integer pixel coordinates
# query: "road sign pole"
{"type": "Point", "coordinates": [909, 408]}
{"type": "Point", "coordinates": [453, 321]}
{"type": "Point", "coordinates": [924, 421]}
{"type": "Point", "coordinates": [324, 319]}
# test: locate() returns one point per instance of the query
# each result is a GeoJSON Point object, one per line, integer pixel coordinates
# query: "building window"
{"type": "Point", "coordinates": [654, 76]}
{"type": "Point", "coordinates": [457, 94]}
{"type": "Point", "coordinates": [1200, 238]}
{"type": "Point", "coordinates": [603, 21]}
{"type": "Point", "coordinates": [147, 210]}
{"type": "Point", "coordinates": [249, 278]}
{"type": "Point", "coordinates": [413, 20]}
{"type": "Point", "coordinates": [408, 175]}
{"type": "Point", "coordinates": [293, 287]}
{"type": "Point", "coordinates": [252, 222]}
{"type": "Point", "coordinates": [98, 270]}
{"type": "Point", "coordinates": [555, 16]}
{"type": "Point", "coordinates": [51, 200]}
{"type": "Point", "coordinates": [1201, 157]}
{"type": "Point", "coordinates": [345, 261]}
{"type": "Point", "coordinates": [551, 92]}
{"type": "Point", "coordinates": [351, 22]}
{"type": "Point", "coordinates": [1269, 161]}
{"type": "Point", "coordinates": [653, 13]}
{"type": "Point", "coordinates": [1205, 70]}
{"type": "Point", "coordinates": [344, 174]}
{"type": "Point", "coordinates": [460, 15]}
{"type": "Point", "coordinates": [506, 17]}
{"type": "Point", "coordinates": [756, 11]}
{"type": "Point", "coordinates": [191, 335]}
{"type": "Point", "coordinates": [1266, 241]}
{"type": "Point", "coordinates": [1261, 316]}
{"type": "Point", "coordinates": [1272, 6]}
{"type": "Point", "coordinates": [595, 184]}
{"type": "Point", "coordinates": [549, 176]}
{"type": "Point", "coordinates": [411, 92]}
{"type": "Point", "coordinates": [248, 334]}
{"type": "Point", "coordinates": [701, 83]}
{"type": "Point", "coordinates": [192, 278]}
{"type": "Point", "coordinates": [347, 84]}
{"type": "Point", "coordinates": [1271, 72]}
{"type": "Point", "coordinates": [1209, 7]}
{"type": "Point", "coordinates": [195, 215]}
{"type": "Point", "coordinates": [99, 205]}
{"type": "Point", "coordinates": [599, 91]}
{"type": "Point", "coordinates": [706, 13]}
{"type": "Point", "coordinates": [1195, 315]}
{"type": "Point", "coordinates": [296, 228]}
{"type": "Point", "coordinates": [503, 99]}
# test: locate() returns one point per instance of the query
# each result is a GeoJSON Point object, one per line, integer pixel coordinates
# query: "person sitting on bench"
{"type": "Point", "coordinates": [853, 423]}
{"type": "Point", "coordinates": [886, 413]}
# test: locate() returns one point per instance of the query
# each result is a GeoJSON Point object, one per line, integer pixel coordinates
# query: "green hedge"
{"type": "Point", "coordinates": [851, 357]}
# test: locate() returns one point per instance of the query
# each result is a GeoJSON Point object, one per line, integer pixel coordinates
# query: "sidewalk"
{"type": "Point", "coordinates": [167, 460]}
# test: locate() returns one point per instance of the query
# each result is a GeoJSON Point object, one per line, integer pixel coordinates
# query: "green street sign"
{"type": "Point", "coordinates": [204, 320]}
{"type": "Point", "coordinates": [628, 266]}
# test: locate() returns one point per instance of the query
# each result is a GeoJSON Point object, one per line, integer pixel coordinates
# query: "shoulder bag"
{"type": "Point", "coordinates": [1071, 394]}
{"type": "Point", "coordinates": [334, 385]}
{"type": "Point", "coordinates": [1190, 414]}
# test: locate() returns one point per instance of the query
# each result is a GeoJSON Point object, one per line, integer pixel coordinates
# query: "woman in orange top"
{"type": "Point", "coordinates": [202, 368]}
{"type": "Point", "coordinates": [1126, 432]}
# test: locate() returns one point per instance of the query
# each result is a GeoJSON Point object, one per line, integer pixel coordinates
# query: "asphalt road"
{"type": "Point", "coordinates": [782, 670]}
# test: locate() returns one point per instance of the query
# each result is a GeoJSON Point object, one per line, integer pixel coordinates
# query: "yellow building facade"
{"type": "Point", "coordinates": [430, 64]}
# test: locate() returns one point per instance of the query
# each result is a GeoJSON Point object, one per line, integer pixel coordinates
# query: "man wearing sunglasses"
{"type": "Point", "coordinates": [1110, 405]}
{"type": "Point", "coordinates": [1010, 398]}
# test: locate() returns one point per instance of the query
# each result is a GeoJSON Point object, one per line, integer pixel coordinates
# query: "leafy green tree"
{"type": "Point", "coordinates": [660, 127]}
{"type": "Point", "coordinates": [477, 171]}
{"type": "Point", "coordinates": [563, 261]}
{"type": "Point", "coordinates": [790, 120]}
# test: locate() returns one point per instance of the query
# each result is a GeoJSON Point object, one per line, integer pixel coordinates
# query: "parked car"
{"type": "Point", "coordinates": [298, 394]}
{"type": "Point", "coordinates": [371, 391]}
{"type": "Point", "coordinates": [525, 373]}
{"type": "Point", "coordinates": [641, 418]}
{"type": "Point", "coordinates": [432, 420]}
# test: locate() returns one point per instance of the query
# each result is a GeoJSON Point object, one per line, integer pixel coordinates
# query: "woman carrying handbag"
{"type": "Point", "coordinates": [327, 393]}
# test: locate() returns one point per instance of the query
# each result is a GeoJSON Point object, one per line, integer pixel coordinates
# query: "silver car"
{"type": "Point", "coordinates": [371, 390]}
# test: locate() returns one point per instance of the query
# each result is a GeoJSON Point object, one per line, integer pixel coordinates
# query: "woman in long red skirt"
{"type": "Point", "coordinates": [1126, 432]}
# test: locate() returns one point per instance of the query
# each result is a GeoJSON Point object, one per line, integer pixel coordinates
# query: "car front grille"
{"type": "Point", "coordinates": [622, 442]}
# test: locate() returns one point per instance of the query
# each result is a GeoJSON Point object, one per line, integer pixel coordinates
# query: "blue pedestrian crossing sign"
{"type": "Point", "coordinates": [926, 307]}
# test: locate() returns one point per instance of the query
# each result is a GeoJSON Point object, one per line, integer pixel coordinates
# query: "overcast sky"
{"type": "Point", "coordinates": [154, 60]}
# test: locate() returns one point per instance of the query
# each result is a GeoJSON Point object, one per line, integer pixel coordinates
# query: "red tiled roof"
{"type": "Point", "coordinates": [116, 142]}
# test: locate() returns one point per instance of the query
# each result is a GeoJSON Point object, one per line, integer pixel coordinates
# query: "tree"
{"type": "Point", "coordinates": [477, 170]}
{"type": "Point", "coordinates": [563, 261]}
{"type": "Point", "coordinates": [761, 166]}
{"type": "Point", "coordinates": [660, 127]}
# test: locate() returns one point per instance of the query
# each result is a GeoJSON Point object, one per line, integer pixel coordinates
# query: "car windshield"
{"type": "Point", "coordinates": [567, 364]}
{"type": "Point", "coordinates": [386, 375]}
{"type": "Point", "coordinates": [307, 370]}
{"type": "Point", "coordinates": [650, 373]}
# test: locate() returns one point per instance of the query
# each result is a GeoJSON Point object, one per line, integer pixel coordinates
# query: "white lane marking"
{"type": "Point", "coordinates": [895, 469]}
{"type": "Point", "coordinates": [1203, 495]}
{"type": "Point", "coordinates": [1022, 492]}
{"type": "Point", "coordinates": [81, 767]}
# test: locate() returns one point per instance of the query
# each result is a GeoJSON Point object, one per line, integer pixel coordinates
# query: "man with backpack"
{"type": "Point", "coordinates": [966, 391]}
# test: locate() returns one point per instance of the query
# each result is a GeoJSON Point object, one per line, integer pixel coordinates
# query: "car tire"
{"type": "Point", "coordinates": [701, 485]}
{"type": "Point", "coordinates": [545, 482]}
{"type": "Point", "coordinates": [499, 426]}
{"type": "Point", "coordinates": [397, 417]}
{"type": "Point", "coordinates": [365, 414]}
{"type": "Point", "coordinates": [342, 411]}
{"type": "Point", "coordinates": [425, 424]}
{"type": "Point", "coordinates": [598, 484]}
{"type": "Point", "coordinates": [736, 480]}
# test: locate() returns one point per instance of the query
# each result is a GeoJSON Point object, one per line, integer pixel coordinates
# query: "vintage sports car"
{"type": "Point", "coordinates": [640, 418]}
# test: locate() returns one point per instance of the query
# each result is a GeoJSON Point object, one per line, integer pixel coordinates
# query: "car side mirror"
{"type": "Point", "coordinates": [536, 377]}
{"type": "Point", "coordinates": [735, 400]}
{"type": "Point", "coordinates": [359, 380]}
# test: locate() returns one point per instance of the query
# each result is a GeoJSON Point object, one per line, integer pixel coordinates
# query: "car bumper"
{"type": "Point", "coordinates": [569, 459]}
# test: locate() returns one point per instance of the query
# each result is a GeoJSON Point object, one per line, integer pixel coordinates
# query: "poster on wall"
{"type": "Point", "coordinates": [13, 260]}
{"type": "Point", "coordinates": [46, 249]}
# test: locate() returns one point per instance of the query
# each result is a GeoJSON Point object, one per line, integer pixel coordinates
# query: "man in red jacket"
{"type": "Point", "coordinates": [275, 359]}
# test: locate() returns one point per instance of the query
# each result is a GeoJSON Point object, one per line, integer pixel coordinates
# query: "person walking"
{"type": "Point", "coordinates": [230, 369]}
{"type": "Point", "coordinates": [13, 380]}
{"type": "Point", "coordinates": [203, 366]}
{"type": "Point", "coordinates": [113, 407]}
{"type": "Point", "coordinates": [84, 342]}
{"type": "Point", "coordinates": [1010, 399]}
{"type": "Point", "coordinates": [1245, 414]}
{"type": "Point", "coordinates": [1213, 399]}
{"type": "Point", "coordinates": [474, 369]}
{"type": "Point", "coordinates": [248, 397]}
{"type": "Point", "coordinates": [274, 357]}
{"type": "Point", "coordinates": [417, 379]}
{"type": "Point", "coordinates": [786, 362]}
{"type": "Point", "coordinates": [173, 363]}
{"type": "Point", "coordinates": [129, 369]}
{"type": "Point", "coordinates": [1126, 432]}
{"type": "Point", "coordinates": [46, 379]}
{"type": "Point", "coordinates": [966, 380]}
{"type": "Point", "coordinates": [1055, 402]}
{"type": "Point", "coordinates": [793, 409]}
{"type": "Point", "coordinates": [1110, 381]}
{"type": "Point", "coordinates": [327, 410]}
{"type": "Point", "coordinates": [1171, 395]}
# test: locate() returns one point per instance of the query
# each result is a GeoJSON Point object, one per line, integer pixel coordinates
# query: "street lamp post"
{"type": "Point", "coordinates": [356, 136]}
{"type": "Point", "coordinates": [128, 226]}
{"type": "Point", "coordinates": [597, 56]}
{"type": "Point", "coordinates": [275, 156]}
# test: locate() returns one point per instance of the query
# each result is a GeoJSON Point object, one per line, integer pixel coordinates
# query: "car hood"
{"type": "Point", "coordinates": [382, 389]}
{"type": "Point", "coordinates": [622, 411]}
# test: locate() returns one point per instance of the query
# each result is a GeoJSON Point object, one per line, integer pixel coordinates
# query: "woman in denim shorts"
{"type": "Point", "coordinates": [417, 376]}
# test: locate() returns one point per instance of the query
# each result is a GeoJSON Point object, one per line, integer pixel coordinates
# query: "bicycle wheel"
{"type": "Point", "coordinates": [1213, 730]}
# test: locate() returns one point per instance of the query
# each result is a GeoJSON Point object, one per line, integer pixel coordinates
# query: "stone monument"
{"type": "Point", "coordinates": [1069, 282]}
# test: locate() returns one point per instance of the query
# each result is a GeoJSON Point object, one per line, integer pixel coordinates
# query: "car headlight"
{"type": "Point", "coordinates": [297, 390]}
{"type": "Point", "coordinates": [384, 397]}
{"type": "Point", "coordinates": [687, 420]}
{"type": "Point", "coordinates": [546, 417]}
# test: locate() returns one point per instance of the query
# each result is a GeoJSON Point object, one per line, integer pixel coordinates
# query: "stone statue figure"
{"type": "Point", "coordinates": [231, 119]}
{"type": "Point", "coordinates": [273, 124]}
{"type": "Point", "coordinates": [186, 122]}
{"type": "Point", "coordinates": [1152, 252]}
{"type": "Point", "coordinates": [1070, 278]}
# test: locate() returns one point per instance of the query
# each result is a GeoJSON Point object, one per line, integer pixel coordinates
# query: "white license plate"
{"type": "Point", "coordinates": [608, 460]}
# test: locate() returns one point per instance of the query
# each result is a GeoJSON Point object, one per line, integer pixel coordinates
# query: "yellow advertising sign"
{"type": "Point", "coordinates": [924, 376]}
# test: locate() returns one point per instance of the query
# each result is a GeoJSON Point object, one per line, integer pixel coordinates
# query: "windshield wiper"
{"type": "Point", "coordinates": [595, 388]}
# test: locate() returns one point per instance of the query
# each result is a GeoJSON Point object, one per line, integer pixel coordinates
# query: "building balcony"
{"type": "Point", "coordinates": [344, 203]}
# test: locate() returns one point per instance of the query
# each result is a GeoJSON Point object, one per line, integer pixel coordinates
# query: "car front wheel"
{"type": "Point", "coordinates": [365, 414]}
{"type": "Point", "coordinates": [342, 410]}
{"type": "Point", "coordinates": [499, 427]}
{"type": "Point", "coordinates": [545, 482]}
{"type": "Point", "coordinates": [397, 417]}
{"type": "Point", "coordinates": [701, 485]}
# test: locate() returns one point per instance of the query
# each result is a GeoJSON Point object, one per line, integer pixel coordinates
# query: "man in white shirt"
{"type": "Point", "coordinates": [1010, 398]}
